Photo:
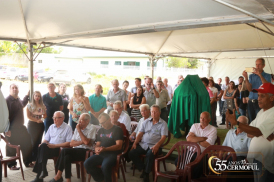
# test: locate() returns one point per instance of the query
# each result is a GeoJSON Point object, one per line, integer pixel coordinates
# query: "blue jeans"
{"type": "Point", "coordinates": [252, 109]}
{"type": "Point", "coordinates": [47, 123]}
{"type": "Point", "coordinates": [106, 160]}
{"type": "Point", "coordinates": [242, 111]}
{"type": "Point", "coordinates": [72, 123]}
{"type": "Point", "coordinates": [221, 104]}
{"type": "Point", "coordinates": [263, 175]}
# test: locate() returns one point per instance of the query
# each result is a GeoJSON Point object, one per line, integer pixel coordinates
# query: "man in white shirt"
{"type": "Point", "coordinates": [123, 117]}
{"type": "Point", "coordinates": [170, 93]}
{"type": "Point", "coordinates": [82, 140]}
{"type": "Point", "coordinates": [261, 130]}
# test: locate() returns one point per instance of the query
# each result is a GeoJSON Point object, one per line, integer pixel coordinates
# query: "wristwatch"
{"type": "Point", "coordinates": [237, 124]}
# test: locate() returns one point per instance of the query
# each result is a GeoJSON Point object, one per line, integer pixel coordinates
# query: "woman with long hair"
{"type": "Point", "coordinates": [137, 100]}
{"type": "Point", "coordinates": [62, 91]}
{"type": "Point", "coordinates": [36, 112]}
{"type": "Point", "coordinates": [79, 104]}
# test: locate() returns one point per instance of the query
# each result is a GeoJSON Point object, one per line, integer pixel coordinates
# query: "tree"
{"type": "Point", "coordinates": [194, 63]}
{"type": "Point", "coordinates": [177, 62]}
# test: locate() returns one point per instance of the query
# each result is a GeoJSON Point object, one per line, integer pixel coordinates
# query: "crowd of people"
{"type": "Point", "coordinates": [79, 123]}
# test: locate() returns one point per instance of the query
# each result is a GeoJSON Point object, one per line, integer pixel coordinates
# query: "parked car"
{"type": "Point", "coordinates": [71, 77]}
{"type": "Point", "coordinates": [22, 75]}
{"type": "Point", "coordinates": [3, 71]}
{"type": "Point", "coordinates": [11, 73]}
{"type": "Point", "coordinates": [36, 73]}
{"type": "Point", "coordinates": [46, 77]}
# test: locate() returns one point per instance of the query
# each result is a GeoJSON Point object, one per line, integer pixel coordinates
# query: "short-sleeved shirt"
{"type": "Point", "coordinates": [97, 102]}
{"type": "Point", "coordinates": [209, 131]}
{"type": "Point", "coordinates": [52, 104]}
{"type": "Point", "coordinates": [256, 82]}
{"type": "Point", "coordinates": [109, 137]}
{"type": "Point", "coordinates": [133, 90]}
{"type": "Point", "coordinates": [170, 91]}
{"type": "Point", "coordinates": [150, 97]}
{"type": "Point", "coordinates": [239, 143]}
{"type": "Point", "coordinates": [163, 99]}
{"type": "Point", "coordinates": [112, 97]}
{"type": "Point", "coordinates": [224, 87]}
{"type": "Point", "coordinates": [152, 132]}
{"type": "Point", "coordinates": [213, 90]}
{"type": "Point", "coordinates": [89, 132]}
{"type": "Point", "coordinates": [139, 125]}
{"type": "Point", "coordinates": [59, 135]}
{"type": "Point", "coordinates": [35, 111]}
{"type": "Point", "coordinates": [125, 119]}
{"type": "Point", "coordinates": [260, 146]}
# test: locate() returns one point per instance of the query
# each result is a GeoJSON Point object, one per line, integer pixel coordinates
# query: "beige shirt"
{"type": "Point", "coordinates": [163, 99]}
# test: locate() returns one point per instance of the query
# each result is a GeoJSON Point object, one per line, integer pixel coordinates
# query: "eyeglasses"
{"type": "Point", "coordinates": [57, 117]}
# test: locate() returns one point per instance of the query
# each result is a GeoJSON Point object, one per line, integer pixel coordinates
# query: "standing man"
{"type": "Point", "coordinates": [137, 84]}
{"type": "Point", "coordinates": [18, 133]}
{"type": "Point", "coordinates": [150, 93]}
{"type": "Point", "coordinates": [257, 78]}
{"type": "Point", "coordinates": [109, 141]}
{"type": "Point", "coordinates": [59, 135]}
{"type": "Point", "coordinates": [170, 93]}
{"type": "Point", "coordinates": [123, 117]}
{"type": "Point", "coordinates": [152, 135]}
{"type": "Point", "coordinates": [162, 100]}
{"type": "Point", "coordinates": [53, 102]}
{"type": "Point", "coordinates": [261, 130]}
{"type": "Point", "coordinates": [224, 87]}
{"type": "Point", "coordinates": [220, 94]}
{"type": "Point", "coordinates": [98, 102]}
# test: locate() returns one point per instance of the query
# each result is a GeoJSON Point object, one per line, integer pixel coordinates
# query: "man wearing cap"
{"type": "Point", "coordinates": [261, 130]}
{"type": "Point", "coordinates": [257, 78]}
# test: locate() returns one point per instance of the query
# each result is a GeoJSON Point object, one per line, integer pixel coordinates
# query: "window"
{"type": "Point", "coordinates": [131, 63]}
{"type": "Point", "coordinates": [104, 62]}
{"type": "Point", "coordinates": [148, 64]}
{"type": "Point", "coordinates": [39, 61]}
{"type": "Point", "coordinates": [117, 62]}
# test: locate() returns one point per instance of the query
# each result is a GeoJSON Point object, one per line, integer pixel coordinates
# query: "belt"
{"type": "Point", "coordinates": [254, 100]}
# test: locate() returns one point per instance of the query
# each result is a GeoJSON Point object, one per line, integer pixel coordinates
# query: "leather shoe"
{"type": "Point", "coordinates": [59, 180]}
{"type": "Point", "coordinates": [43, 175]}
{"type": "Point", "coordinates": [37, 180]}
{"type": "Point", "coordinates": [222, 124]}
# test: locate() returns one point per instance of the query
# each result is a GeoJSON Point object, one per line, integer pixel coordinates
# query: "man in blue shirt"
{"type": "Point", "coordinates": [255, 80]}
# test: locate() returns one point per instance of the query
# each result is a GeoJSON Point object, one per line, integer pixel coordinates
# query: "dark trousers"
{"type": "Point", "coordinates": [67, 156]}
{"type": "Point", "coordinates": [252, 109]}
{"type": "Point", "coordinates": [213, 113]}
{"type": "Point", "coordinates": [47, 123]}
{"type": "Point", "coordinates": [44, 153]}
{"type": "Point", "coordinates": [36, 131]}
{"type": "Point", "coordinates": [19, 136]}
{"type": "Point", "coordinates": [164, 115]}
{"type": "Point", "coordinates": [168, 109]}
{"type": "Point", "coordinates": [106, 160]}
{"type": "Point", "coordinates": [1, 171]}
{"type": "Point", "coordinates": [149, 160]}
{"type": "Point", "coordinates": [72, 123]}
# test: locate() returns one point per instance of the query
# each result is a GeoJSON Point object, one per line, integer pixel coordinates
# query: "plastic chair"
{"type": "Point", "coordinates": [5, 161]}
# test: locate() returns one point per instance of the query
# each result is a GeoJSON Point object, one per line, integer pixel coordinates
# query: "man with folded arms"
{"type": "Point", "coordinates": [152, 135]}
{"type": "Point", "coordinates": [109, 141]}
{"type": "Point", "coordinates": [82, 140]}
{"type": "Point", "coordinates": [58, 135]}
{"type": "Point", "coordinates": [261, 130]}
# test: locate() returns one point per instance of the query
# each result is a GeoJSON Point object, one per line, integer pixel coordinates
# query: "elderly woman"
{"type": "Point", "coordinates": [116, 94]}
{"type": "Point", "coordinates": [79, 104]}
{"type": "Point", "coordinates": [62, 91]}
{"type": "Point", "coordinates": [114, 116]}
{"type": "Point", "coordinates": [137, 100]}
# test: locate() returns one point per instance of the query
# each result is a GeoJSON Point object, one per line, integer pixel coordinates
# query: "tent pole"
{"type": "Point", "coordinates": [152, 61]}
{"type": "Point", "coordinates": [208, 68]}
{"type": "Point", "coordinates": [30, 70]}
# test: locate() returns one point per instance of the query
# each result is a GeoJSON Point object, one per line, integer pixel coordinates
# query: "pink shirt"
{"type": "Point", "coordinates": [209, 131]}
{"type": "Point", "coordinates": [209, 92]}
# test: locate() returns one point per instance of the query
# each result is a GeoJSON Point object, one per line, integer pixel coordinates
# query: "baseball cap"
{"type": "Point", "coordinates": [265, 88]}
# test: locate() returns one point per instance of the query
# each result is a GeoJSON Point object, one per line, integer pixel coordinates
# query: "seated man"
{"type": "Point", "coordinates": [114, 120]}
{"type": "Point", "coordinates": [109, 141]}
{"type": "Point", "coordinates": [238, 140]}
{"type": "Point", "coordinates": [58, 135]}
{"type": "Point", "coordinates": [81, 141]}
{"type": "Point", "coordinates": [152, 135]}
{"type": "Point", "coordinates": [123, 117]}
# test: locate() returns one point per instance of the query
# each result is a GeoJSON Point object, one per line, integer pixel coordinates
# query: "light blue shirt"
{"type": "Point", "coordinates": [256, 82]}
{"type": "Point", "coordinates": [59, 135]}
{"type": "Point", "coordinates": [152, 132]}
{"type": "Point", "coordinates": [240, 143]}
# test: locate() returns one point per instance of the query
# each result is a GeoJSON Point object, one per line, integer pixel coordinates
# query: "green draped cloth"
{"type": "Point", "coordinates": [189, 101]}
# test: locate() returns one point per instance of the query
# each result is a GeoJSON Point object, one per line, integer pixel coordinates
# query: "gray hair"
{"type": "Point", "coordinates": [105, 115]}
{"type": "Point", "coordinates": [144, 106]}
{"type": "Point", "coordinates": [115, 80]}
{"type": "Point", "coordinates": [270, 95]}
{"type": "Point", "coordinates": [113, 111]}
{"type": "Point", "coordinates": [61, 113]}
{"type": "Point", "coordinates": [245, 119]}
{"type": "Point", "coordinates": [262, 59]}
{"type": "Point", "coordinates": [208, 114]}
{"type": "Point", "coordinates": [86, 116]}
{"type": "Point", "coordinates": [159, 81]}
{"type": "Point", "coordinates": [155, 105]}
{"type": "Point", "coordinates": [51, 83]}
{"type": "Point", "coordinates": [118, 103]}
{"type": "Point", "coordinates": [14, 85]}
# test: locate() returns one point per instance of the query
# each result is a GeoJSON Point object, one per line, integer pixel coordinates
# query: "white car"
{"type": "Point", "coordinates": [64, 76]}
{"type": "Point", "coordinates": [11, 73]}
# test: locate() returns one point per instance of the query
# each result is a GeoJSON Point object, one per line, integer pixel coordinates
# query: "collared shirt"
{"type": "Point", "coordinates": [170, 91]}
{"type": "Point", "coordinates": [239, 143]}
{"type": "Point", "coordinates": [150, 97]}
{"type": "Point", "coordinates": [152, 132]}
{"type": "Point", "coordinates": [224, 87]}
{"type": "Point", "coordinates": [59, 135]}
{"type": "Point", "coordinates": [256, 82]}
{"type": "Point", "coordinates": [97, 102]}
{"type": "Point", "coordinates": [52, 104]}
{"type": "Point", "coordinates": [260, 148]}
{"type": "Point", "coordinates": [125, 119]}
{"type": "Point", "coordinates": [209, 131]}
{"type": "Point", "coordinates": [112, 97]}
{"type": "Point", "coordinates": [139, 125]}
{"type": "Point", "coordinates": [163, 99]}
{"type": "Point", "coordinates": [15, 107]}
{"type": "Point", "coordinates": [89, 132]}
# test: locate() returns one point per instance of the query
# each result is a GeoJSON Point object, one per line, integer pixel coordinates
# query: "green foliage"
{"type": "Point", "coordinates": [174, 62]}
{"type": "Point", "coordinates": [92, 73]}
{"type": "Point", "coordinates": [194, 63]}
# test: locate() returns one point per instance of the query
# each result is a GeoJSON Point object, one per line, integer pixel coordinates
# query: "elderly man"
{"type": "Point", "coordinates": [109, 141]}
{"type": "Point", "coordinates": [82, 140]}
{"type": "Point", "coordinates": [224, 87]}
{"type": "Point", "coordinates": [261, 130]}
{"type": "Point", "coordinates": [114, 116]}
{"type": "Point", "coordinates": [18, 133]}
{"type": "Point", "coordinates": [116, 94]}
{"type": "Point", "coordinates": [97, 101]}
{"type": "Point", "coordinates": [150, 92]}
{"type": "Point", "coordinates": [162, 99]}
{"type": "Point", "coordinates": [53, 102]}
{"type": "Point", "coordinates": [254, 81]}
{"type": "Point", "coordinates": [170, 93]}
{"type": "Point", "coordinates": [123, 117]}
{"type": "Point", "coordinates": [59, 135]}
{"type": "Point", "coordinates": [152, 135]}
